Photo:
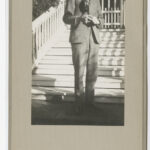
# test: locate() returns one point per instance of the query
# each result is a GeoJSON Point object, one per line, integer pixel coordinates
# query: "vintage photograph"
{"type": "Point", "coordinates": [78, 60]}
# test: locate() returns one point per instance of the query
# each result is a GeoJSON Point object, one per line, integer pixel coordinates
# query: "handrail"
{"type": "Point", "coordinates": [44, 28]}
{"type": "Point", "coordinates": [48, 24]}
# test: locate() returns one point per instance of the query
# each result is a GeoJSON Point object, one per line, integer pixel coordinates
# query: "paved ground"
{"type": "Point", "coordinates": [62, 113]}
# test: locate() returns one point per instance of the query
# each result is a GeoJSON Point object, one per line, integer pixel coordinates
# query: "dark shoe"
{"type": "Point", "coordinates": [87, 106]}
{"type": "Point", "coordinates": [95, 107]}
{"type": "Point", "coordinates": [88, 103]}
{"type": "Point", "coordinates": [92, 107]}
{"type": "Point", "coordinates": [79, 109]}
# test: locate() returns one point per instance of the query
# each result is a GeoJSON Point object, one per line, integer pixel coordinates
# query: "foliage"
{"type": "Point", "coordinates": [40, 6]}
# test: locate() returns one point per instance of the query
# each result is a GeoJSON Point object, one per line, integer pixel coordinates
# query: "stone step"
{"type": "Point", "coordinates": [105, 61]}
{"type": "Point", "coordinates": [112, 44]}
{"type": "Point", "coordinates": [58, 98]}
{"type": "Point", "coordinates": [102, 72]}
{"type": "Point", "coordinates": [65, 38]}
{"type": "Point", "coordinates": [68, 52]}
{"type": "Point", "coordinates": [50, 83]}
{"type": "Point", "coordinates": [112, 38]}
{"type": "Point", "coordinates": [67, 94]}
{"type": "Point", "coordinates": [117, 38]}
{"type": "Point", "coordinates": [108, 33]}
{"type": "Point", "coordinates": [53, 78]}
{"type": "Point", "coordinates": [68, 81]}
{"type": "Point", "coordinates": [71, 69]}
{"type": "Point", "coordinates": [67, 78]}
{"type": "Point", "coordinates": [67, 28]}
{"type": "Point", "coordinates": [61, 91]}
{"type": "Point", "coordinates": [113, 30]}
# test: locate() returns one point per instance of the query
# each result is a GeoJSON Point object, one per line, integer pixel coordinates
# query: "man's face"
{"type": "Point", "coordinates": [86, 2]}
{"type": "Point", "coordinates": [84, 6]}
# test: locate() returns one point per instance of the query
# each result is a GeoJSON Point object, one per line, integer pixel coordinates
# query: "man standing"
{"type": "Point", "coordinates": [85, 18]}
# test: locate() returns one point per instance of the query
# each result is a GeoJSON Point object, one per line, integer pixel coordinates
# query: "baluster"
{"type": "Point", "coordinates": [48, 28]}
{"type": "Point", "coordinates": [124, 6]}
{"type": "Point", "coordinates": [118, 18]}
{"type": "Point", "coordinates": [59, 16]}
{"type": "Point", "coordinates": [53, 24]}
{"type": "Point", "coordinates": [105, 17]}
{"type": "Point", "coordinates": [44, 27]}
{"type": "Point", "coordinates": [102, 3]}
{"type": "Point", "coordinates": [115, 13]}
{"type": "Point", "coordinates": [59, 23]}
{"type": "Point", "coordinates": [121, 13]}
{"type": "Point", "coordinates": [108, 13]}
{"type": "Point", "coordinates": [33, 48]}
{"type": "Point", "coordinates": [42, 32]}
{"type": "Point", "coordinates": [102, 7]}
{"type": "Point", "coordinates": [112, 14]}
{"type": "Point", "coordinates": [55, 20]}
{"type": "Point", "coordinates": [49, 22]}
{"type": "Point", "coordinates": [45, 31]}
{"type": "Point", "coordinates": [39, 37]}
{"type": "Point", "coordinates": [50, 18]}
{"type": "Point", "coordinates": [36, 36]}
{"type": "Point", "coordinates": [59, 19]}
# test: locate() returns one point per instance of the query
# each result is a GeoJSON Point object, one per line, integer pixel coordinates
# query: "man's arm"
{"type": "Point", "coordinates": [69, 17]}
{"type": "Point", "coordinates": [101, 21]}
{"type": "Point", "coordinates": [100, 16]}
{"type": "Point", "coordinates": [98, 20]}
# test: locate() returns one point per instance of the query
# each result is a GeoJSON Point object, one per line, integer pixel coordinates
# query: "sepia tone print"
{"type": "Point", "coordinates": [60, 94]}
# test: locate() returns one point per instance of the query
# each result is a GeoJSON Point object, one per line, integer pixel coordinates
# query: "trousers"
{"type": "Point", "coordinates": [85, 57]}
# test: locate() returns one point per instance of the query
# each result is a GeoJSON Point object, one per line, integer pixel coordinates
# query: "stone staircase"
{"type": "Point", "coordinates": [53, 78]}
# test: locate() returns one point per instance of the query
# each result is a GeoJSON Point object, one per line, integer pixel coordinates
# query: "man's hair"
{"type": "Point", "coordinates": [84, 6]}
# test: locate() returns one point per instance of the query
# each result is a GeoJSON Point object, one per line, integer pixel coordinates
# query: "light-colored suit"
{"type": "Point", "coordinates": [79, 31]}
{"type": "Point", "coordinates": [85, 44]}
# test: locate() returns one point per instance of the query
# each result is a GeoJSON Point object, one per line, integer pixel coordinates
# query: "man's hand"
{"type": "Point", "coordinates": [86, 19]}
{"type": "Point", "coordinates": [89, 19]}
{"type": "Point", "coordinates": [95, 20]}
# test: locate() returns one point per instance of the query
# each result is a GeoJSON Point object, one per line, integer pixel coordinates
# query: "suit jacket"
{"type": "Point", "coordinates": [79, 31]}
